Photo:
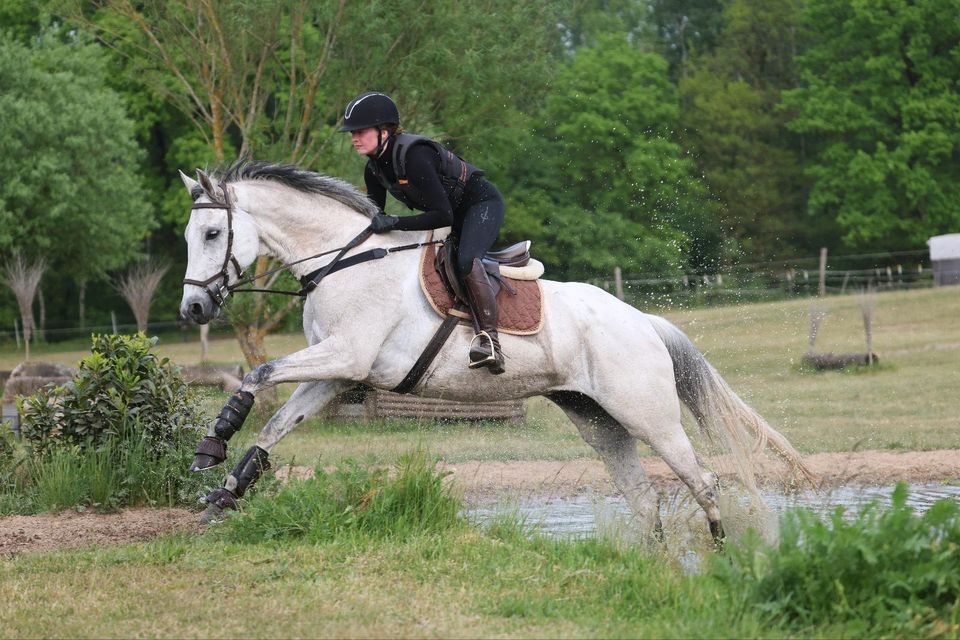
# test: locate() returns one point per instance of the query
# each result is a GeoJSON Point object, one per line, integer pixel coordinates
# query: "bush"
{"type": "Point", "coordinates": [120, 433]}
{"type": "Point", "coordinates": [886, 569]}
{"type": "Point", "coordinates": [353, 500]}
{"type": "Point", "coordinates": [121, 387]}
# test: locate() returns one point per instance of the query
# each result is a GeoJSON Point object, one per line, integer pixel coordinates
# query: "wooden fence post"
{"type": "Point", "coordinates": [618, 282]}
{"type": "Point", "coordinates": [16, 332]}
{"type": "Point", "coordinates": [823, 271]}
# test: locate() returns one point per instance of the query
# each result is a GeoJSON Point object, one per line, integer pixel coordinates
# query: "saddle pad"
{"type": "Point", "coordinates": [520, 314]}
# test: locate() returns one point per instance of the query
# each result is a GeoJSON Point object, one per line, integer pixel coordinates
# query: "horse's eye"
{"type": "Point", "coordinates": [212, 233]}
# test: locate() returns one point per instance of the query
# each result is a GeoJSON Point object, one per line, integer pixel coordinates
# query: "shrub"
{"type": "Point", "coordinates": [886, 569]}
{"type": "Point", "coordinates": [120, 387]}
{"type": "Point", "coordinates": [353, 500]}
{"type": "Point", "coordinates": [120, 433]}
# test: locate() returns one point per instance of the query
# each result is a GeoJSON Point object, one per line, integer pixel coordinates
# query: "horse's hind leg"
{"type": "Point", "coordinates": [308, 399]}
{"type": "Point", "coordinates": [618, 450]}
{"type": "Point", "coordinates": [669, 441]}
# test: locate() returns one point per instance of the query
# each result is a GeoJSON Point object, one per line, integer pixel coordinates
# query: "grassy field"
{"type": "Point", "coordinates": [465, 581]}
{"type": "Point", "coordinates": [906, 403]}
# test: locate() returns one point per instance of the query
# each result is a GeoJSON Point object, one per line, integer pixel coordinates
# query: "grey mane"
{"type": "Point", "coordinates": [302, 180]}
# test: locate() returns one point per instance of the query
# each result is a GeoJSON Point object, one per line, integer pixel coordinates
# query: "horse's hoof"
{"type": "Point", "coordinates": [212, 515]}
{"type": "Point", "coordinates": [202, 461]}
{"type": "Point", "coordinates": [210, 452]}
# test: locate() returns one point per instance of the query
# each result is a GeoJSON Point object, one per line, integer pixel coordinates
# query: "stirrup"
{"type": "Point", "coordinates": [476, 364]}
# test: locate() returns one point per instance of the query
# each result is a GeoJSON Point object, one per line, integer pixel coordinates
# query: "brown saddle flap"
{"type": "Point", "coordinates": [520, 314]}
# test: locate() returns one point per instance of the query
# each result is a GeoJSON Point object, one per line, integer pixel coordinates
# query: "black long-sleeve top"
{"type": "Point", "coordinates": [423, 172]}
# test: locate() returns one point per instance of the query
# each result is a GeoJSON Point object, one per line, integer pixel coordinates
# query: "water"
{"type": "Point", "coordinates": [580, 516]}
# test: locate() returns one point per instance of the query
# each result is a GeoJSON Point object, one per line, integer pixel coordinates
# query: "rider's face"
{"type": "Point", "coordinates": [365, 141]}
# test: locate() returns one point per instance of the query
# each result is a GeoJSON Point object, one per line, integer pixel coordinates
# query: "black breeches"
{"type": "Point", "coordinates": [481, 224]}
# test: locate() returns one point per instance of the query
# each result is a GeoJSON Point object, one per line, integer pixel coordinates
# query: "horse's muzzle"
{"type": "Point", "coordinates": [199, 309]}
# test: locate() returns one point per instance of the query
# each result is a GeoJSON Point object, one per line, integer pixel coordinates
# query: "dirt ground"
{"type": "Point", "coordinates": [478, 480]}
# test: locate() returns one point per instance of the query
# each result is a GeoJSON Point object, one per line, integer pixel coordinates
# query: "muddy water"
{"type": "Point", "coordinates": [582, 515]}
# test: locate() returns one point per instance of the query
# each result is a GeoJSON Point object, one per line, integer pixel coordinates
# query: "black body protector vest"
{"type": "Point", "coordinates": [454, 172]}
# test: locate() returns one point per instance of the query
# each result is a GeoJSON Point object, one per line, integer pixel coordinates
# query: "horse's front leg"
{"type": "Point", "coordinates": [308, 399]}
{"type": "Point", "coordinates": [326, 360]}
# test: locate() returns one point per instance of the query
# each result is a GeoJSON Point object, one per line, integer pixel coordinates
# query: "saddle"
{"type": "Point", "coordinates": [512, 270]}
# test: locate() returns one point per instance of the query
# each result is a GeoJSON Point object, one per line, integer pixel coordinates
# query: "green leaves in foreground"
{"type": "Point", "coordinates": [349, 501]}
{"type": "Point", "coordinates": [884, 570]}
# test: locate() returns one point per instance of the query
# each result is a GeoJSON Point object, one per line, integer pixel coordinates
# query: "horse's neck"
{"type": "Point", "coordinates": [294, 226]}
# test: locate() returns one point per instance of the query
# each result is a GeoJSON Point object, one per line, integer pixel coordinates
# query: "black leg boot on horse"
{"type": "Point", "coordinates": [251, 466]}
{"type": "Point", "coordinates": [485, 347]}
{"type": "Point", "coordinates": [212, 450]}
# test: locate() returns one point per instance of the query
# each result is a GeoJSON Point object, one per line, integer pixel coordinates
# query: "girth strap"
{"type": "Point", "coordinates": [429, 354]}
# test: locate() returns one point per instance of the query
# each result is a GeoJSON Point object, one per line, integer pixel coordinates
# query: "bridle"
{"type": "Point", "coordinates": [308, 282]}
{"type": "Point", "coordinates": [224, 287]}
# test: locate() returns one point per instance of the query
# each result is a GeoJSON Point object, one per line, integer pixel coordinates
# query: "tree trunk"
{"type": "Point", "coordinates": [42, 307]}
{"type": "Point", "coordinates": [82, 302]}
{"type": "Point", "coordinates": [254, 350]}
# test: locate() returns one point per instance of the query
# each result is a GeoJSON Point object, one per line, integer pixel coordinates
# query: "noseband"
{"type": "Point", "coordinates": [223, 288]}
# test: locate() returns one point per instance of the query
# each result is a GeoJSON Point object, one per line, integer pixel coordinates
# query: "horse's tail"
{"type": "Point", "coordinates": [721, 414]}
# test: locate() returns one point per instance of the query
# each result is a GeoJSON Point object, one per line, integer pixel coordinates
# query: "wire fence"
{"type": "Point", "coordinates": [776, 281]}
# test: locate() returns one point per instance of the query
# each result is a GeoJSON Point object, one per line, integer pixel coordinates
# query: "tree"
{"type": "Point", "coordinates": [70, 189]}
{"type": "Point", "coordinates": [733, 120]}
{"type": "Point", "coordinates": [621, 190]}
{"type": "Point", "coordinates": [137, 287]}
{"type": "Point", "coordinates": [878, 103]}
{"type": "Point", "coordinates": [23, 278]}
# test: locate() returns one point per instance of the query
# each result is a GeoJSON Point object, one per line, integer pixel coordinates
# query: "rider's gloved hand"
{"type": "Point", "coordinates": [381, 223]}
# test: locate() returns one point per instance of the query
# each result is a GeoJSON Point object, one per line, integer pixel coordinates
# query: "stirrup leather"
{"type": "Point", "coordinates": [485, 360]}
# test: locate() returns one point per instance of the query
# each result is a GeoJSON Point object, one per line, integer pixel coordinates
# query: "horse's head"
{"type": "Point", "coordinates": [222, 240]}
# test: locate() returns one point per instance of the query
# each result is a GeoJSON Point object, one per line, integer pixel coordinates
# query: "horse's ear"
{"type": "Point", "coordinates": [189, 183]}
{"type": "Point", "coordinates": [206, 183]}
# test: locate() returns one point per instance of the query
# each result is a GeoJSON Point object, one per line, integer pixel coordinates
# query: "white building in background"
{"type": "Point", "coordinates": [945, 256]}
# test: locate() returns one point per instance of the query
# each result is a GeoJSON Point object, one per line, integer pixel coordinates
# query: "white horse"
{"type": "Point", "coordinates": [618, 373]}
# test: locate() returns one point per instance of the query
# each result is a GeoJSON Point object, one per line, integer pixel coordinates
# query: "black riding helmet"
{"type": "Point", "coordinates": [370, 109]}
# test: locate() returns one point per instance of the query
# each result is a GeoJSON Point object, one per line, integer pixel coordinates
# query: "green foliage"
{"type": "Point", "coordinates": [884, 570]}
{"type": "Point", "coordinates": [120, 433]}
{"type": "Point", "coordinates": [879, 102]}
{"type": "Point", "coordinates": [352, 501]}
{"type": "Point", "coordinates": [733, 119]}
{"type": "Point", "coordinates": [70, 188]}
{"type": "Point", "coordinates": [120, 386]}
{"type": "Point", "coordinates": [620, 190]}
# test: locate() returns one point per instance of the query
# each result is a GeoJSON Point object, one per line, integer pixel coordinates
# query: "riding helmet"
{"type": "Point", "coordinates": [370, 109]}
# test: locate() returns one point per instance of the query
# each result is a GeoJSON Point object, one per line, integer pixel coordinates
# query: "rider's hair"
{"type": "Point", "coordinates": [393, 129]}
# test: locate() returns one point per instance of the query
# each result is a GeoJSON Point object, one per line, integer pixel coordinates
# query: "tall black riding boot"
{"type": "Point", "coordinates": [485, 348]}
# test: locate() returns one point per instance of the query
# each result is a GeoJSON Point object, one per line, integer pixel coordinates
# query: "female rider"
{"type": "Point", "coordinates": [449, 192]}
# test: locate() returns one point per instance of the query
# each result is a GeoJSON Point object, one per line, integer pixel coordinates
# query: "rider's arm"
{"type": "Point", "coordinates": [423, 171]}
{"type": "Point", "coordinates": [375, 189]}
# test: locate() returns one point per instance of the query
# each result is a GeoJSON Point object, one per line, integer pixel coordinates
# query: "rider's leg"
{"type": "Point", "coordinates": [485, 348]}
{"type": "Point", "coordinates": [481, 223]}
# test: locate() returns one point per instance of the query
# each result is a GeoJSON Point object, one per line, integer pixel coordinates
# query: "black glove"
{"type": "Point", "coordinates": [381, 223]}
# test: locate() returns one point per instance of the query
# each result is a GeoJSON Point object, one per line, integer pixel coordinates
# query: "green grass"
{"type": "Point", "coordinates": [358, 561]}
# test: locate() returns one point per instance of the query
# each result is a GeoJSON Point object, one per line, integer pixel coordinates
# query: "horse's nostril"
{"type": "Point", "coordinates": [196, 309]}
